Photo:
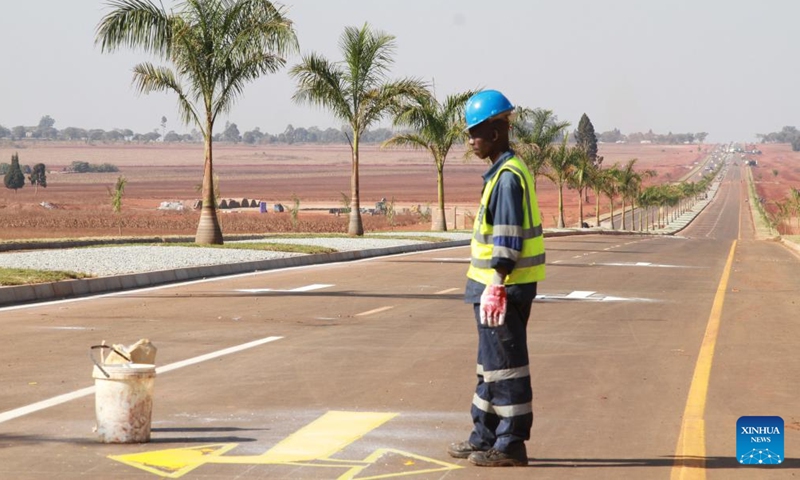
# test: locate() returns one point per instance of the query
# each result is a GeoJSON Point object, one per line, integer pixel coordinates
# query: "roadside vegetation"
{"type": "Point", "coordinates": [22, 276]}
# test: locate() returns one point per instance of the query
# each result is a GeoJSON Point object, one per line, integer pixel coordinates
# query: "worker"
{"type": "Point", "coordinates": [507, 262]}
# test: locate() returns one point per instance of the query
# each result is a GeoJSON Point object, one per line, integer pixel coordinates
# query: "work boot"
{"type": "Point", "coordinates": [496, 458]}
{"type": "Point", "coordinates": [462, 449]}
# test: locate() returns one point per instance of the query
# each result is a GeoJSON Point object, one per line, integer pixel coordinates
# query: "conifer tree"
{"type": "Point", "coordinates": [14, 177]}
{"type": "Point", "coordinates": [586, 138]}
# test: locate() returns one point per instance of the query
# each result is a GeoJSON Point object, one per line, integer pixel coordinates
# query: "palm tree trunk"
{"type": "Point", "coordinates": [623, 213]}
{"type": "Point", "coordinates": [560, 205]}
{"type": "Point", "coordinates": [611, 203]}
{"type": "Point", "coordinates": [439, 221]}
{"type": "Point", "coordinates": [580, 208]}
{"type": "Point", "coordinates": [596, 208]}
{"type": "Point", "coordinates": [356, 228]}
{"type": "Point", "coordinates": [208, 229]}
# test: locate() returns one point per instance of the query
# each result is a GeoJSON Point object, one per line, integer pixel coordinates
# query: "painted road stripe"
{"type": "Point", "coordinates": [325, 436]}
{"type": "Point", "coordinates": [586, 296]}
{"type": "Point", "coordinates": [579, 294]}
{"type": "Point", "coordinates": [449, 290]}
{"type": "Point", "coordinates": [690, 454]}
{"type": "Point", "coordinates": [307, 288]}
{"type": "Point", "coordinates": [58, 400]}
{"type": "Point", "coordinates": [212, 355]}
{"type": "Point", "coordinates": [643, 264]}
{"type": "Point", "coordinates": [377, 310]}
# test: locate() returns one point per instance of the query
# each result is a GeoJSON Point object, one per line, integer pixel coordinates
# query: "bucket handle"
{"type": "Point", "coordinates": [91, 355]}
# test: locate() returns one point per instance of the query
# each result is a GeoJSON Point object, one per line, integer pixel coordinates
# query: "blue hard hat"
{"type": "Point", "coordinates": [484, 105]}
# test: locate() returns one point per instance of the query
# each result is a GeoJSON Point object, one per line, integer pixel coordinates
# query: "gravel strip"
{"type": "Point", "coordinates": [105, 261]}
{"type": "Point", "coordinates": [346, 244]}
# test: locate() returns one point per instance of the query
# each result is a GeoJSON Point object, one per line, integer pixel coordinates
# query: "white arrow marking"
{"type": "Point", "coordinates": [586, 296]}
{"type": "Point", "coordinates": [377, 310]}
{"type": "Point", "coordinates": [579, 294]}
{"type": "Point", "coordinates": [642, 264]}
{"type": "Point", "coordinates": [307, 288]}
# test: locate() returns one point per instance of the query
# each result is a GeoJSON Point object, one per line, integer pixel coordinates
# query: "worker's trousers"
{"type": "Point", "coordinates": [501, 407]}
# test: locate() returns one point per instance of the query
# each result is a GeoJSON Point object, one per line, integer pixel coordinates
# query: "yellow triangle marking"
{"type": "Point", "coordinates": [411, 461]}
{"type": "Point", "coordinates": [174, 462]}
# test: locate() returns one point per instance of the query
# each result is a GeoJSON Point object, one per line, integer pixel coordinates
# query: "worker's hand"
{"type": "Point", "coordinates": [493, 305]}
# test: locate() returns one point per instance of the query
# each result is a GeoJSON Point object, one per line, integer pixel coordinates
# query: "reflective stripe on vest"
{"type": "Point", "coordinates": [529, 266]}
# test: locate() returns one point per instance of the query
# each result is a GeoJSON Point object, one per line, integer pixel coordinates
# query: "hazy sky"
{"type": "Point", "coordinates": [727, 67]}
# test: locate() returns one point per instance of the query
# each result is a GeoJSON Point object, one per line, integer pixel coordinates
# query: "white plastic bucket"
{"type": "Point", "coordinates": [124, 402]}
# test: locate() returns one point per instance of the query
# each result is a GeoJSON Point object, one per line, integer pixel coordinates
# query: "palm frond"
{"type": "Point", "coordinates": [148, 78]}
{"type": "Point", "coordinates": [320, 82]}
{"type": "Point", "coordinates": [136, 24]}
{"type": "Point", "coordinates": [409, 140]}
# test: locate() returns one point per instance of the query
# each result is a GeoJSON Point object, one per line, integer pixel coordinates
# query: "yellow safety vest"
{"type": "Point", "coordinates": [529, 267]}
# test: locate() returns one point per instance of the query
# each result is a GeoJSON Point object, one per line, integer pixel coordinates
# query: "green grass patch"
{"type": "Point", "coordinates": [274, 247]}
{"type": "Point", "coordinates": [24, 276]}
{"type": "Point", "coordinates": [421, 238]}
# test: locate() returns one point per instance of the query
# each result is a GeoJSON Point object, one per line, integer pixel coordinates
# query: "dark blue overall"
{"type": "Point", "coordinates": [501, 407]}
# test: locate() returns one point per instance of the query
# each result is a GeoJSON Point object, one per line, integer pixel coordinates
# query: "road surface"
{"type": "Point", "coordinates": [644, 353]}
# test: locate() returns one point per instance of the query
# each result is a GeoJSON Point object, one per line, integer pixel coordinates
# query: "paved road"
{"type": "Point", "coordinates": [366, 369]}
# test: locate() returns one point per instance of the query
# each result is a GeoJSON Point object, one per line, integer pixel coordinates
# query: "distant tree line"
{"type": "Point", "coordinates": [86, 167]}
{"type": "Point", "coordinates": [47, 131]}
{"type": "Point", "coordinates": [74, 167]}
{"type": "Point", "coordinates": [314, 135]}
{"type": "Point", "coordinates": [615, 136]}
{"type": "Point", "coordinates": [788, 134]}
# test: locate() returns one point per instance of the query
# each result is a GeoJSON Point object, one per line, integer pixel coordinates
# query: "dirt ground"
{"type": "Point", "coordinates": [317, 176]}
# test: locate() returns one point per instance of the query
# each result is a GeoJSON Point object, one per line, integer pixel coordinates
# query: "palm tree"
{"type": "Point", "coordinates": [535, 131]}
{"type": "Point", "coordinates": [635, 195]}
{"type": "Point", "coordinates": [437, 127]}
{"type": "Point", "coordinates": [648, 197]}
{"type": "Point", "coordinates": [560, 166]}
{"type": "Point", "coordinates": [582, 175]}
{"type": "Point", "coordinates": [215, 47]}
{"type": "Point", "coordinates": [607, 184]}
{"type": "Point", "coordinates": [794, 196]}
{"type": "Point", "coordinates": [629, 182]}
{"type": "Point", "coordinates": [356, 91]}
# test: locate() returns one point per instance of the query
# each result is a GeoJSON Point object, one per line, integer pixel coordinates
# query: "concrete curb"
{"type": "Point", "coordinates": [18, 294]}
{"type": "Point", "coordinates": [793, 247]}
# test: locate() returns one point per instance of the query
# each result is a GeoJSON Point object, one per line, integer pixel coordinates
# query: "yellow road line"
{"type": "Point", "coordinates": [325, 436]}
{"type": "Point", "coordinates": [690, 453]}
{"type": "Point", "coordinates": [377, 310]}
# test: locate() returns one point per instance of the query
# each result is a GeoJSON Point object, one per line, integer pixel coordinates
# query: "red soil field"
{"type": "Point", "coordinates": [777, 172]}
{"type": "Point", "coordinates": [316, 175]}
